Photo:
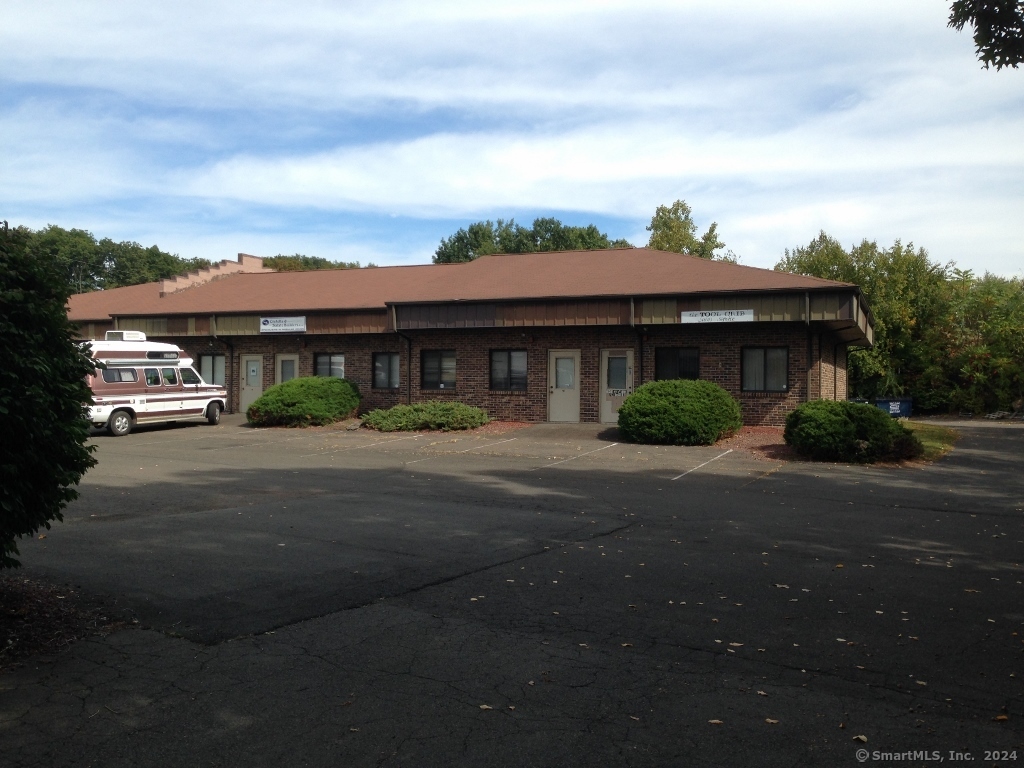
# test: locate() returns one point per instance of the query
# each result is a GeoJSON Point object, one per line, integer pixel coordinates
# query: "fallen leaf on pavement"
{"type": "Point", "coordinates": [486, 706]}
{"type": "Point", "coordinates": [716, 722]}
{"type": "Point", "coordinates": [770, 721]}
{"type": "Point", "coordinates": [863, 739]}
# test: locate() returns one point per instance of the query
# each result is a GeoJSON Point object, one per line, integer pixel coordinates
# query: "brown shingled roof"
{"type": "Point", "coordinates": [565, 274]}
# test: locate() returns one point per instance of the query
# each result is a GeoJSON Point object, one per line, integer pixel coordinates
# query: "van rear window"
{"type": "Point", "coordinates": [112, 375]}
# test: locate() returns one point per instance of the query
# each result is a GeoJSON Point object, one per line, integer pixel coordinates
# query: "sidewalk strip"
{"type": "Point", "coordinates": [572, 458]}
{"type": "Point", "coordinates": [702, 465]}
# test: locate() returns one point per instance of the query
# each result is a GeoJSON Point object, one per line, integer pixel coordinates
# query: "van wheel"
{"type": "Point", "coordinates": [213, 414]}
{"type": "Point", "coordinates": [120, 423]}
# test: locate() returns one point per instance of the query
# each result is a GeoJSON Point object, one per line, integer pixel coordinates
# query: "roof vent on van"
{"type": "Point", "coordinates": [125, 336]}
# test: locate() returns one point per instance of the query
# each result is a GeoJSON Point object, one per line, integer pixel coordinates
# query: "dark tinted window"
{"type": "Point", "coordinates": [508, 369]}
{"type": "Point", "coordinates": [111, 375]}
{"type": "Point", "coordinates": [676, 363]}
{"type": "Point", "coordinates": [329, 365]}
{"type": "Point", "coordinates": [385, 370]}
{"type": "Point", "coordinates": [438, 370]}
{"type": "Point", "coordinates": [765, 369]}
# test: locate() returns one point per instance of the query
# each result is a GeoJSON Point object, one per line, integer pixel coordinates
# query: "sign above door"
{"type": "Point", "coordinates": [282, 325]}
{"type": "Point", "coordinates": [718, 316]}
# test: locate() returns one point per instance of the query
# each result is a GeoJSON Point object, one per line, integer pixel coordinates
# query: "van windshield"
{"type": "Point", "coordinates": [188, 376]}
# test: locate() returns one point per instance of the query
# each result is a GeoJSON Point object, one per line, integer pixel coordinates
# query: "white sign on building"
{"type": "Point", "coordinates": [718, 316]}
{"type": "Point", "coordinates": [282, 325]}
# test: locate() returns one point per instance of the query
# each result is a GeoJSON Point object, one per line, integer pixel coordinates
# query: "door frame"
{"type": "Point", "coordinates": [242, 360]}
{"type": "Point", "coordinates": [602, 376]}
{"type": "Point", "coordinates": [577, 354]}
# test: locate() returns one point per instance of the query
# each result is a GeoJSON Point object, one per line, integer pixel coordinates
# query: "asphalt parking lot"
{"type": "Point", "coordinates": [543, 597]}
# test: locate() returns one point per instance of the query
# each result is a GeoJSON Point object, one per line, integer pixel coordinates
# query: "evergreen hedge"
{"type": "Point", "coordinates": [679, 412]}
{"type": "Point", "coordinates": [433, 414]}
{"type": "Point", "coordinates": [305, 402]}
{"type": "Point", "coordinates": [839, 430]}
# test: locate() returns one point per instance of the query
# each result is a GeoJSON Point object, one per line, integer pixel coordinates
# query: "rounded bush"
{"type": "Point", "coordinates": [312, 401]}
{"type": "Point", "coordinates": [679, 412]}
{"type": "Point", "coordinates": [839, 430]}
{"type": "Point", "coordinates": [433, 414]}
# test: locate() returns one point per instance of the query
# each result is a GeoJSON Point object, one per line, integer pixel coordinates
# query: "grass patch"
{"type": "Point", "coordinates": [937, 441]}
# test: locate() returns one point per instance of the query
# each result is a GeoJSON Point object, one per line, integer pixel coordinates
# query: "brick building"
{"type": "Point", "coordinates": [533, 337]}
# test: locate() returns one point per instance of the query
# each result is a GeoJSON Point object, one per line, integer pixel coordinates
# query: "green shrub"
{"type": "Point", "coordinates": [43, 394]}
{"type": "Point", "coordinates": [311, 401]}
{"type": "Point", "coordinates": [679, 412]}
{"type": "Point", "coordinates": [831, 430]}
{"type": "Point", "coordinates": [433, 414]}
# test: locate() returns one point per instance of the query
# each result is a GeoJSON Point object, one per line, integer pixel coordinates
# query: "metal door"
{"type": "Point", "coordinates": [616, 382]}
{"type": "Point", "coordinates": [251, 380]}
{"type": "Point", "coordinates": [564, 385]}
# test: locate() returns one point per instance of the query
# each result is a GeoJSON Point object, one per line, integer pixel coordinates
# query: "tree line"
{"type": "Point", "coordinates": [91, 264]}
{"type": "Point", "coordinates": [949, 339]}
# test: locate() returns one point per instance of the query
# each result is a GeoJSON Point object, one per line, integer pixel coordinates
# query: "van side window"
{"type": "Point", "coordinates": [152, 377]}
{"type": "Point", "coordinates": [170, 376]}
{"type": "Point", "coordinates": [112, 375]}
{"type": "Point", "coordinates": [188, 376]}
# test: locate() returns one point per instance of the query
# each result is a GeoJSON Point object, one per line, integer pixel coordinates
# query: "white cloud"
{"type": "Point", "coordinates": [862, 118]}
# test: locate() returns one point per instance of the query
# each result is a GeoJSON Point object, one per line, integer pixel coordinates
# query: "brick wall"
{"type": "Point", "coordinates": [720, 355]}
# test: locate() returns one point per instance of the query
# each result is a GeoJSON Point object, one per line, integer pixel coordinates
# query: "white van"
{"type": "Point", "coordinates": [146, 382]}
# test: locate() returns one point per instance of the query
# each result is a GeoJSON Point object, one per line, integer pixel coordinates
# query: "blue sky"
{"type": "Point", "coordinates": [370, 130]}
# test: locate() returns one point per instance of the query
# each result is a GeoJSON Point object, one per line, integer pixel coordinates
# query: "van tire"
{"type": "Point", "coordinates": [213, 413]}
{"type": "Point", "coordinates": [120, 423]}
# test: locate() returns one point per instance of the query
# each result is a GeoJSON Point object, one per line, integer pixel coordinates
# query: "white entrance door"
{"type": "Point", "coordinates": [616, 382]}
{"type": "Point", "coordinates": [251, 380]}
{"type": "Point", "coordinates": [564, 385]}
{"type": "Point", "coordinates": [287, 368]}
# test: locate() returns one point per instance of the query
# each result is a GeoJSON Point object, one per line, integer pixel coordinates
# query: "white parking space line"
{"type": "Point", "coordinates": [573, 458]}
{"type": "Point", "coordinates": [481, 447]}
{"type": "Point", "coordinates": [702, 465]}
{"type": "Point", "coordinates": [467, 450]}
{"type": "Point", "coordinates": [356, 447]}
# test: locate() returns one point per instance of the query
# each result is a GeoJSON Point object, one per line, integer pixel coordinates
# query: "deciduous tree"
{"type": "Point", "coordinates": [672, 228]}
{"type": "Point", "coordinates": [43, 393]}
{"type": "Point", "coordinates": [547, 234]}
{"type": "Point", "coordinates": [998, 29]}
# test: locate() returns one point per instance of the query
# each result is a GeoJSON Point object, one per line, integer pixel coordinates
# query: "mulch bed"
{"type": "Point", "coordinates": [41, 620]}
{"type": "Point", "coordinates": [761, 442]}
